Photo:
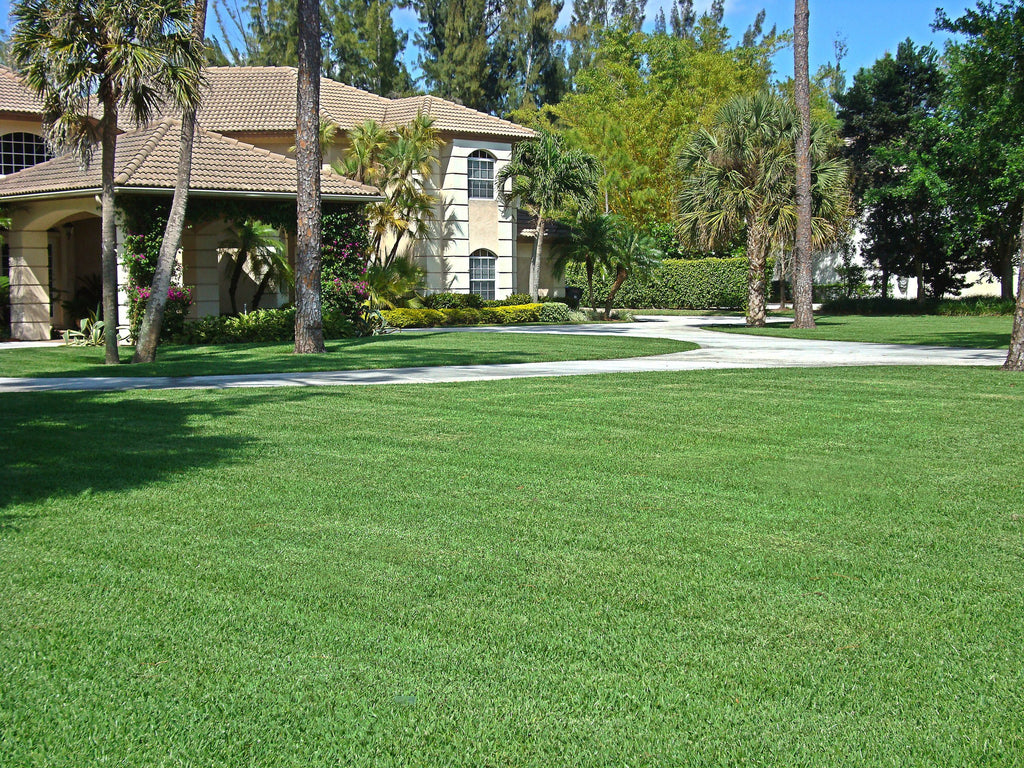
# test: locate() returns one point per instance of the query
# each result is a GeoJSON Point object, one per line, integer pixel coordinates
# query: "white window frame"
{"type": "Point", "coordinates": [480, 175]}
{"type": "Point", "coordinates": [483, 275]}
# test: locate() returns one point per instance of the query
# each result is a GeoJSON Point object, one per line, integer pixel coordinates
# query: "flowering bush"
{"type": "Point", "coordinates": [344, 254]}
{"type": "Point", "coordinates": [140, 255]}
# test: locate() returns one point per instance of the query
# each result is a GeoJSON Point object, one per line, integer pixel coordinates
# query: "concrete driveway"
{"type": "Point", "coordinates": [717, 350]}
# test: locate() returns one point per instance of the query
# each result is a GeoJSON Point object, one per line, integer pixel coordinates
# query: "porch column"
{"type": "Point", "coordinates": [30, 285]}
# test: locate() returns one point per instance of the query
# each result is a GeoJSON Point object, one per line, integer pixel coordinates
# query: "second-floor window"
{"type": "Point", "coordinates": [21, 150]}
{"type": "Point", "coordinates": [480, 170]}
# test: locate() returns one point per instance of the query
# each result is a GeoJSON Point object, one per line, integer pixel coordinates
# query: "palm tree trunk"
{"type": "Point", "coordinates": [620, 277]}
{"type": "Point", "coordinates": [755, 274]}
{"type": "Point", "coordinates": [236, 275]}
{"type": "Point", "coordinates": [152, 322]}
{"type": "Point", "coordinates": [309, 323]}
{"type": "Point", "coordinates": [803, 277]}
{"type": "Point", "coordinates": [260, 290]}
{"type": "Point", "coordinates": [538, 247]}
{"type": "Point", "coordinates": [1015, 355]}
{"type": "Point", "coordinates": [108, 258]}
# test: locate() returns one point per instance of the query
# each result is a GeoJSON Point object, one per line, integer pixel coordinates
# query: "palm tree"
{"type": "Point", "coordinates": [401, 164]}
{"type": "Point", "coordinates": [803, 279]}
{"type": "Point", "coordinates": [590, 244]}
{"type": "Point", "coordinates": [394, 285]}
{"type": "Point", "coordinates": [258, 246]}
{"type": "Point", "coordinates": [736, 175]}
{"type": "Point", "coordinates": [631, 251]}
{"type": "Point", "coordinates": [153, 320]}
{"type": "Point", "coordinates": [126, 56]}
{"type": "Point", "coordinates": [545, 175]}
{"type": "Point", "coordinates": [309, 322]}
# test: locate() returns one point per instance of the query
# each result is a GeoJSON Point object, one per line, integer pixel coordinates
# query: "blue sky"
{"type": "Point", "coordinates": [869, 27]}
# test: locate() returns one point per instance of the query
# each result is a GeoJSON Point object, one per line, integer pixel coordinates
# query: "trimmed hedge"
{"type": "Point", "coordinates": [432, 318]}
{"type": "Point", "coordinates": [973, 306]}
{"type": "Point", "coordinates": [675, 284]}
{"type": "Point", "coordinates": [263, 325]}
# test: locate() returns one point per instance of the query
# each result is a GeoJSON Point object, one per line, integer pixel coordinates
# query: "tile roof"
{"type": "Point", "coordinates": [15, 96]}
{"type": "Point", "coordinates": [148, 159]}
{"type": "Point", "coordinates": [261, 99]}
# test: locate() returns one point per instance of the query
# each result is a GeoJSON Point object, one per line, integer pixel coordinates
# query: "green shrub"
{"type": "Point", "coordinates": [414, 318]}
{"type": "Point", "coordinates": [675, 284]}
{"type": "Point", "coordinates": [515, 300]}
{"type": "Point", "coordinates": [555, 312]}
{"type": "Point", "coordinates": [466, 316]}
{"type": "Point", "coordinates": [263, 325]}
{"type": "Point", "coordinates": [974, 306]}
{"type": "Point", "coordinates": [450, 300]}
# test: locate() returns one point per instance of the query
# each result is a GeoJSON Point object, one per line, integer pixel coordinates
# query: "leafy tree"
{"type": "Point", "coordinates": [985, 106]}
{"type": "Point", "coordinates": [525, 64]}
{"type": "Point", "coordinates": [542, 177]}
{"type": "Point", "coordinates": [894, 143]}
{"type": "Point", "coordinates": [128, 57]}
{"type": "Point", "coordinates": [257, 246]}
{"type": "Point", "coordinates": [309, 324]}
{"type": "Point", "coordinates": [803, 288]}
{"type": "Point", "coordinates": [591, 19]}
{"type": "Point", "coordinates": [153, 320]}
{"type": "Point", "coordinates": [643, 96]}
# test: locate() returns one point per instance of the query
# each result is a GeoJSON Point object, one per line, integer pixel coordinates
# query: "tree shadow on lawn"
{"type": "Point", "coordinates": [392, 351]}
{"type": "Point", "coordinates": [67, 443]}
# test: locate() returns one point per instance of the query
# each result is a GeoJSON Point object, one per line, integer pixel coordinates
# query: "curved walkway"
{"type": "Point", "coordinates": [717, 350]}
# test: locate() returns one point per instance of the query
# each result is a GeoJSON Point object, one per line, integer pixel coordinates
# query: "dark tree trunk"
{"type": "Point", "coordinates": [1006, 270]}
{"type": "Point", "coordinates": [152, 322]}
{"type": "Point", "coordinates": [538, 249]}
{"type": "Point", "coordinates": [620, 277]}
{"type": "Point", "coordinates": [590, 281]}
{"type": "Point", "coordinates": [1015, 355]}
{"type": "Point", "coordinates": [237, 268]}
{"type": "Point", "coordinates": [755, 274]}
{"type": "Point", "coordinates": [920, 281]}
{"type": "Point", "coordinates": [260, 290]}
{"type": "Point", "coordinates": [803, 276]}
{"type": "Point", "coordinates": [309, 324]}
{"type": "Point", "coordinates": [885, 279]}
{"type": "Point", "coordinates": [108, 239]}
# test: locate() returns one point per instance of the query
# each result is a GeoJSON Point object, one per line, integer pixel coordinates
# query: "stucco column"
{"type": "Point", "coordinates": [122, 281]}
{"type": "Point", "coordinates": [30, 285]}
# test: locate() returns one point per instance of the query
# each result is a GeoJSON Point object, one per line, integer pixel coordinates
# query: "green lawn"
{"type": "Point", "coordinates": [932, 330]}
{"type": "Point", "coordinates": [401, 350]}
{"type": "Point", "coordinates": [812, 567]}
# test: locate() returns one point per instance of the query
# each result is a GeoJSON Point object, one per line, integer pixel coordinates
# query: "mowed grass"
{"type": "Point", "coordinates": [402, 350]}
{"type": "Point", "coordinates": [795, 567]}
{"type": "Point", "coordinates": [930, 330]}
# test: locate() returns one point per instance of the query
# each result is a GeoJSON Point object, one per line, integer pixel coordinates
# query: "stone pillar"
{"type": "Point", "coordinates": [30, 285]}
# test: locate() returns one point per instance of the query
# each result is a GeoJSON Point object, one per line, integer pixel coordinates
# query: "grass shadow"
{"type": "Point", "coordinates": [70, 443]}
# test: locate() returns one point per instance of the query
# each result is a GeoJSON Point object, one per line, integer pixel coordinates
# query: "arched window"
{"type": "Point", "coordinates": [482, 273]}
{"type": "Point", "coordinates": [480, 169]}
{"type": "Point", "coordinates": [21, 150]}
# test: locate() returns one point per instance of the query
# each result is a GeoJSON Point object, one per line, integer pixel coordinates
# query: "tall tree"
{"type": "Point", "coordinates": [985, 105]}
{"type": "Point", "coordinates": [525, 63]}
{"type": "Point", "coordinates": [803, 288]}
{"type": "Point", "coordinates": [589, 21]}
{"type": "Point", "coordinates": [542, 177]}
{"type": "Point", "coordinates": [128, 57]}
{"type": "Point", "coordinates": [360, 45]}
{"type": "Point", "coordinates": [454, 39]}
{"type": "Point", "coordinates": [153, 320]}
{"type": "Point", "coordinates": [309, 327]}
{"type": "Point", "coordinates": [888, 121]}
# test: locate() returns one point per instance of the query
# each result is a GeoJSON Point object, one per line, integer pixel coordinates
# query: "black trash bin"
{"type": "Point", "coordinates": [573, 296]}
